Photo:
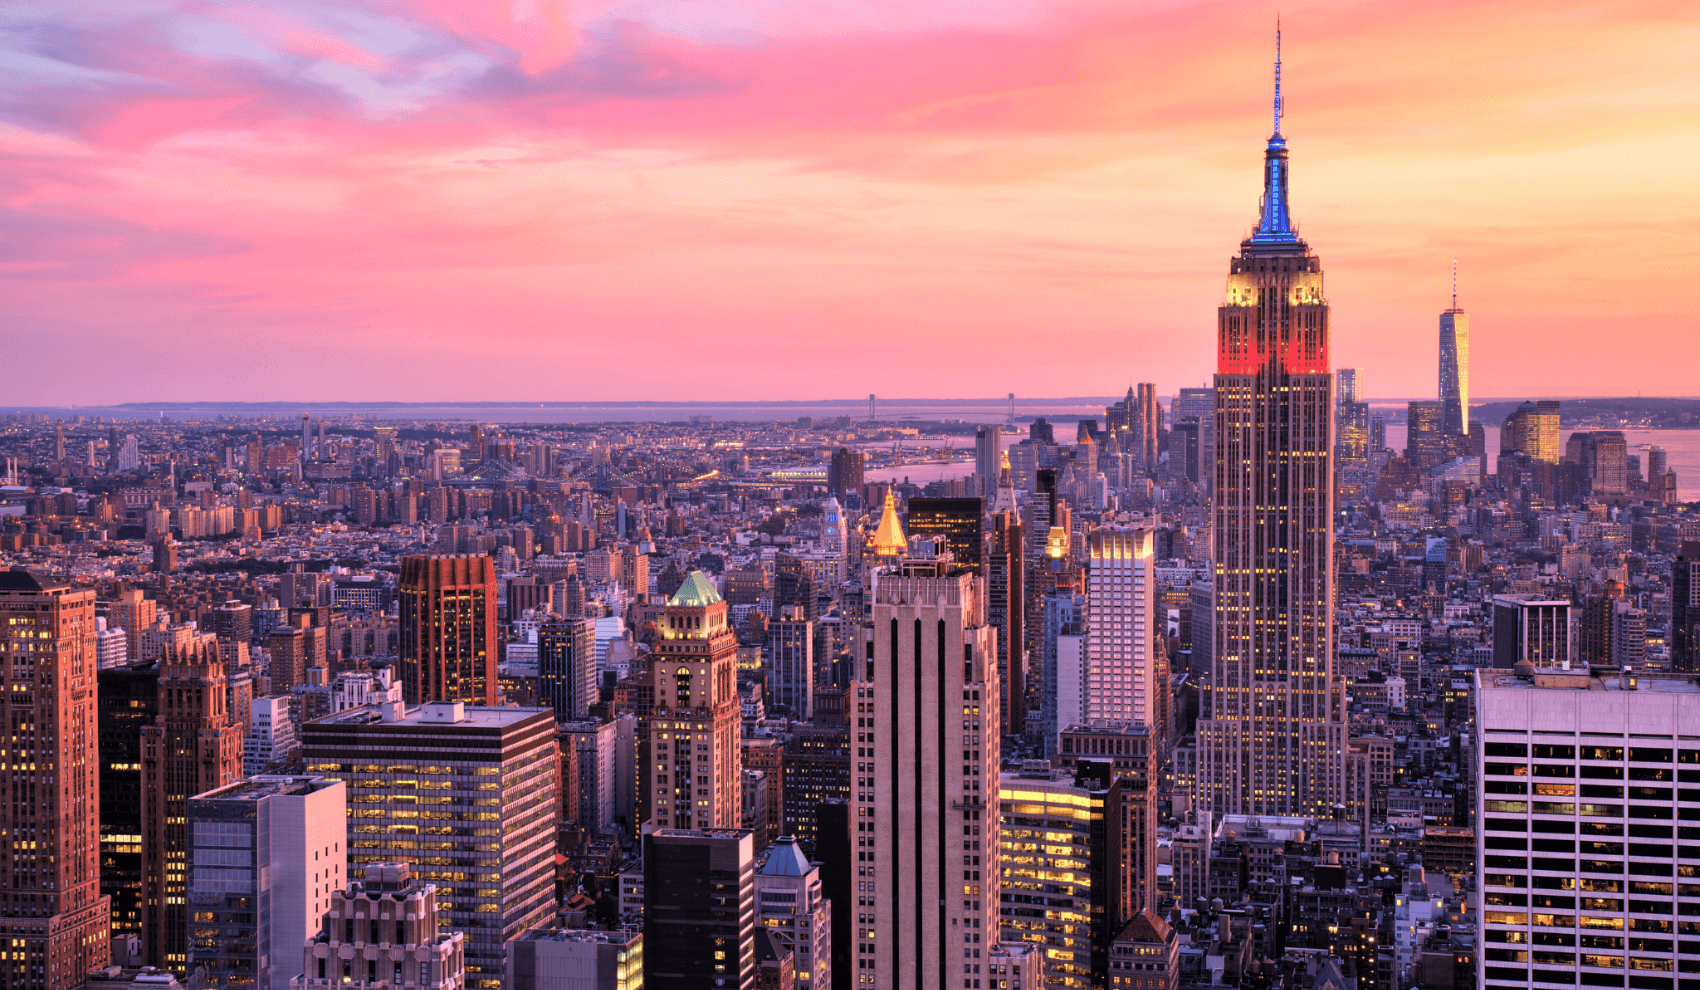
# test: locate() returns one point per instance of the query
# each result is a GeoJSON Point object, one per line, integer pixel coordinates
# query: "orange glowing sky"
{"type": "Point", "coordinates": [767, 199]}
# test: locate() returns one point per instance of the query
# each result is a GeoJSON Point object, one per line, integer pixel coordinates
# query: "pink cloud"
{"type": "Point", "coordinates": [1036, 198]}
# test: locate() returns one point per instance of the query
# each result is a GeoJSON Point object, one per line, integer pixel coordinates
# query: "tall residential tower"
{"type": "Point", "coordinates": [1274, 744]}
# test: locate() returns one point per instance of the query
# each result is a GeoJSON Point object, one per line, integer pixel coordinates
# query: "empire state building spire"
{"type": "Point", "coordinates": [1275, 223]}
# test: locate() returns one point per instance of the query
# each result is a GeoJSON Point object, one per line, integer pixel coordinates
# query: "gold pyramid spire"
{"type": "Point", "coordinates": [889, 540]}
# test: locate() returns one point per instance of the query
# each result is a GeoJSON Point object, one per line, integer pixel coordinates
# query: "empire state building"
{"type": "Point", "coordinates": [1275, 739]}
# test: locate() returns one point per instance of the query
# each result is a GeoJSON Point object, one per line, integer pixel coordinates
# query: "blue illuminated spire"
{"type": "Point", "coordinates": [1275, 225]}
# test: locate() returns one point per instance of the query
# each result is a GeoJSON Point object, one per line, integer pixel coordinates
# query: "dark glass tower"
{"type": "Point", "coordinates": [1275, 741]}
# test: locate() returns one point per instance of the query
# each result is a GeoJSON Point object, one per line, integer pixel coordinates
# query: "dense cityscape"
{"type": "Point", "coordinates": [1248, 697]}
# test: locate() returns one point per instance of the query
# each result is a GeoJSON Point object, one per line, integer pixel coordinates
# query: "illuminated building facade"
{"type": "Point", "coordinates": [55, 917]}
{"type": "Point", "coordinates": [1455, 367]}
{"type": "Point", "coordinates": [694, 758]}
{"type": "Point", "coordinates": [448, 629]}
{"type": "Point", "coordinates": [926, 821]}
{"type": "Point", "coordinates": [1274, 743]}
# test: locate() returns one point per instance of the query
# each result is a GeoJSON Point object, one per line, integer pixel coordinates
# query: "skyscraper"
{"type": "Point", "coordinates": [1425, 438]}
{"type": "Point", "coordinates": [699, 909]}
{"type": "Point", "coordinates": [482, 817]}
{"type": "Point", "coordinates": [788, 896]}
{"type": "Point", "coordinates": [56, 919]}
{"type": "Point", "coordinates": [1532, 429]}
{"type": "Point", "coordinates": [1685, 608]}
{"type": "Point", "coordinates": [988, 458]}
{"type": "Point", "coordinates": [268, 853]}
{"type": "Point", "coordinates": [448, 629]}
{"type": "Point", "coordinates": [566, 666]}
{"type": "Point", "coordinates": [129, 700]}
{"type": "Point", "coordinates": [844, 473]}
{"type": "Point", "coordinates": [694, 758]}
{"type": "Point", "coordinates": [1455, 367]}
{"type": "Point", "coordinates": [1147, 426]}
{"type": "Point", "coordinates": [927, 820]}
{"type": "Point", "coordinates": [1276, 737]}
{"type": "Point", "coordinates": [961, 521]}
{"type": "Point", "coordinates": [1118, 681]}
{"type": "Point", "coordinates": [1006, 605]}
{"type": "Point", "coordinates": [195, 746]}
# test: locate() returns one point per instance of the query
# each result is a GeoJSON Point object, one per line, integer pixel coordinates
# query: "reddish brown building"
{"type": "Point", "coordinates": [448, 629]}
{"type": "Point", "coordinates": [194, 747]}
{"type": "Point", "coordinates": [55, 918]}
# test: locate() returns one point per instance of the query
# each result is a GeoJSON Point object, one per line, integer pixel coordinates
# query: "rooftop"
{"type": "Point", "coordinates": [622, 937]}
{"type": "Point", "coordinates": [1644, 682]}
{"type": "Point", "coordinates": [255, 788]}
{"type": "Point", "coordinates": [697, 592]}
{"type": "Point", "coordinates": [471, 717]}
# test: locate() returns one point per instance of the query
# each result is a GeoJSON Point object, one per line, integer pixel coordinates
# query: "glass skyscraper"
{"type": "Point", "coordinates": [1455, 369]}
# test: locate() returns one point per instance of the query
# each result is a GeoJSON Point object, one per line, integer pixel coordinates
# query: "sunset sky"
{"type": "Point", "coordinates": [768, 199]}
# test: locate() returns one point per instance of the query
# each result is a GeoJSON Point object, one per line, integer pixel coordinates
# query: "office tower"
{"type": "Point", "coordinates": [699, 909]}
{"type": "Point", "coordinates": [306, 437]}
{"type": "Point", "coordinates": [1065, 885]}
{"type": "Point", "coordinates": [1425, 441]}
{"type": "Point", "coordinates": [1348, 385]}
{"type": "Point", "coordinates": [128, 700]}
{"type": "Point", "coordinates": [1116, 673]}
{"type": "Point", "coordinates": [1685, 608]}
{"type": "Point", "coordinates": [1006, 598]}
{"type": "Point", "coordinates": [1533, 629]}
{"type": "Point", "coordinates": [791, 907]}
{"type": "Point", "coordinates": [634, 569]}
{"type": "Point", "coordinates": [1532, 429]}
{"type": "Point", "coordinates": [693, 757]}
{"type": "Point", "coordinates": [1603, 457]}
{"type": "Point", "coordinates": [794, 585]}
{"type": "Point", "coordinates": [483, 824]}
{"type": "Point", "coordinates": [1199, 404]}
{"type": "Point", "coordinates": [1556, 886]}
{"type": "Point", "coordinates": [844, 472]}
{"type": "Point", "coordinates": [1455, 367]}
{"type": "Point", "coordinates": [271, 735]}
{"type": "Point", "coordinates": [571, 959]}
{"type": "Point", "coordinates": [194, 746]}
{"type": "Point", "coordinates": [448, 629]}
{"type": "Point", "coordinates": [566, 666]}
{"type": "Point", "coordinates": [267, 854]}
{"type": "Point", "coordinates": [926, 820]}
{"type": "Point", "coordinates": [56, 918]}
{"type": "Point", "coordinates": [988, 458]}
{"type": "Point", "coordinates": [961, 521]}
{"type": "Point", "coordinates": [383, 931]}
{"type": "Point", "coordinates": [816, 772]}
{"type": "Point", "coordinates": [1275, 740]}
{"type": "Point", "coordinates": [790, 660]}
{"type": "Point", "coordinates": [1147, 426]}
{"type": "Point", "coordinates": [1136, 755]}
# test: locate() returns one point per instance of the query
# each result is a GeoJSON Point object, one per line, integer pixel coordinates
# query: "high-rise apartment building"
{"type": "Point", "coordinates": [1585, 867]}
{"type": "Point", "coordinates": [383, 931]}
{"type": "Point", "coordinates": [1455, 368]}
{"type": "Point", "coordinates": [791, 908]}
{"type": "Point", "coordinates": [1603, 457]}
{"type": "Point", "coordinates": [132, 612]}
{"type": "Point", "coordinates": [699, 909]}
{"type": "Point", "coordinates": [267, 854]}
{"type": "Point", "coordinates": [566, 666]}
{"type": "Point", "coordinates": [1275, 740]}
{"type": "Point", "coordinates": [56, 918]}
{"type": "Point", "coordinates": [448, 629]}
{"type": "Point", "coordinates": [926, 821]}
{"type": "Point", "coordinates": [988, 459]}
{"type": "Point", "coordinates": [693, 756]}
{"type": "Point", "coordinates": [1685, 608]}
{"type": "Point", "coordinates": [467, 796]}
{"type": "Point", "coordinates": [194, 746]}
